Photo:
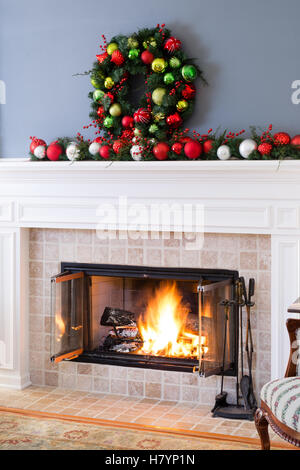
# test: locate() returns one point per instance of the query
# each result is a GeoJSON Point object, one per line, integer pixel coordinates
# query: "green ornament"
{"type": "Point", "coordinates": [132, 43]}
{"type": "Point", "coordinates": [108, 121]}
{"type": "Point", "coordinates": [95, 82]}
{"type": "Point", "coordinates": [158, 95]}
{"type": "Point", "coordinates": [159, 65]}
{"type": "Point", "coordinates": [109, 83]}
{"type": "Point", "coordinates": [115, 110]}
{"type": "Point", "coordinates": [169, 78]}
{"type": "Point", "coordinates": [113, 46]}
{"type": "Point", "coordinates": [133, 54]}
{"type": "Point", "coordinates": [98, 95]}
{"type": "Point", "coordinates": [174, 63]}
{"type": "Point", "coordinates": [189, 73]}
{"type": "Point", "coordinates": [153, 128]}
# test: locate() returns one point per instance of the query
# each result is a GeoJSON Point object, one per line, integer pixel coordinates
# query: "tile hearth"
{"type": "Point", "coordinates": [150, 412]}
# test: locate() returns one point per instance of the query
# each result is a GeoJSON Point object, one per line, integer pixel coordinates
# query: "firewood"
{"type": "Point", "coordinates": [117, 317]}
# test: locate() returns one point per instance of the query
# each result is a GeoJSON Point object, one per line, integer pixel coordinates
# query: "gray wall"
{"type": "Point", "coordinates": [248, 50]}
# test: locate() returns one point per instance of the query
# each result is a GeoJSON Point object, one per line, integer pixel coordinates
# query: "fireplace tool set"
{"type": "Point", "coordinates": [244, 386]}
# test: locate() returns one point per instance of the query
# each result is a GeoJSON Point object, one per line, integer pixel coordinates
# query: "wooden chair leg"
{"type": "Point", "coordinates": [262, 424]}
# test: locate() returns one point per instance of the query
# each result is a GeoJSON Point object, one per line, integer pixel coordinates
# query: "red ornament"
{"type": "Point", "coordinates": [35, 143]}
{"type": "Point", "coordinates": [161, 150]}
{"type": "Point", "coordinates": [189, 92]}
{"type": "Point", "coordinates": [147, 57]}
{"type": "Point", "coordinates": [174, 120]}
{"type": "Point", "coordinates": [207, 146]}
{"type": "Point", "coordinates": [296, 141]}
{"type": "Point", "coordinates": [101, 57]}
{"type": "Point", "coordinates": [100, 111]}
{"type": "Point", "coordinates": [117, 145]}
{"type": "Point", "coordinates": [172, 44]}
{"type": "Point", "coordinates": [142, 115]}
{"type": "Point", "coordinates": [104, 151]}
{"type": "Point", "coordinates": [177, 148]}
{"type": "Point", "coordinates": [193, 149]}
{"type": "Point", "coordinates": [264, 148]}
{"type": "Point", "coordinates": [185, 139]}
{"type": "Point", "coordinates": [117, 58]}
{"type": "Point", "coordinates": [127, 122]}
{"type": "Point", "coordinates": [281, 138]}
{"type": "Point", "coordinates": [111, 96]}
{"type": "Point", "coordinates": [54, 151]}
{"type": "Point", "coordinates": [99, 140]}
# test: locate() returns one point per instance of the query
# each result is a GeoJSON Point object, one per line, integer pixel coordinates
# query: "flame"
{"type": "Point", "coordinates": [60, 327]}
{"type": "Point", "coordinates": [162, 327]}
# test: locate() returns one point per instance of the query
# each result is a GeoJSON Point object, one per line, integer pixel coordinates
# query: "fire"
{"type": "Point", "coordinates": [60, 327]}
{"type": "Point", "coordinates": [162, 327]}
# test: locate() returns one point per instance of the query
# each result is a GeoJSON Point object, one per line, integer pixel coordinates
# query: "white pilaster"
{"type": "Point", "coordinates": [14, 363]}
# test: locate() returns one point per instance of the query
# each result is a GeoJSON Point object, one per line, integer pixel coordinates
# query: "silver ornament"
{"type": "Point", "coordinates": [136, 152]}
{"type": "Point", "coordinates": [246, 147]}
{"type": "Point", "coordinates": [72, 151]}
{"type": "Point", "coordinates": [40, 152]}
{"type": "Point", "coordinates": [223, 152]}
{"type": "Point", "coordinates": [94, 148]}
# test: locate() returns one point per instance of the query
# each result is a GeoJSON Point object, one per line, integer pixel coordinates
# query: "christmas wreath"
{"type": "Point", "coordinates": [153, 129]}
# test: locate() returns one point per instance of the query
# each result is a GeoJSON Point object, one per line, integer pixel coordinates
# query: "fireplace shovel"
{"type": "Point", "coordinates": [246, 384]}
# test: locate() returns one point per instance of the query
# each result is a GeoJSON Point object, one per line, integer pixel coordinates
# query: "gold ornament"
{"type": "Point", "coordinates": [159, 117]}
{"type": "Point", "coordinates": [115, 110]}
{"type": "Point", "coordinates": [149, 42]}
{"type": "Point", "coordinates": [113, 46]}
{"type": "Point", "coordinates": [158, 65]}
{"type": "Point", "coordinates": [158, 95]}
{"type": "Point", "coordinates": [132, 43]}
{"type": "Point", "coordinates": [182, 105]}
{"type": "Point", "coordinates": [109, 83]}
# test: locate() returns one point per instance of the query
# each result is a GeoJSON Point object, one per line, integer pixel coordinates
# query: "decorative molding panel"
{"type": "Point", "coordinates": [7, 293]}
{"type": "Point", "coordinates": [285, 276]}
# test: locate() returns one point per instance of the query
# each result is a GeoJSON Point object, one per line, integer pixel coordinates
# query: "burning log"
{"type": "Point", "coordinates": [117, 317]}
{"type": "Point", "coordinates": [125, 332]}
{"type": "Point", "coordinates": [113, 343]}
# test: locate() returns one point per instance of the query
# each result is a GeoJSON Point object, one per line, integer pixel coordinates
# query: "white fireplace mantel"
{"type": "Point", "coordinates": [257, 197]}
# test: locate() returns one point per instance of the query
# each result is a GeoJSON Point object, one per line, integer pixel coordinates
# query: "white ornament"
{"type": "Point", "coordinates": [136, 152]}
{"type": "Point", "coordinates": [246, 147]}
{"type": "Point", "coordinates": [40, 152]}
{"type": "Point", "coordinates": [72, 151]}
{"type": "Point", "coordinates": [223, 152]}
{"type": "Point", "coordinates": [94, 148]}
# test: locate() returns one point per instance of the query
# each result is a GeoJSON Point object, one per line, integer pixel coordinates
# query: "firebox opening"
{"type": "Point", "coordinates": [170, 319]}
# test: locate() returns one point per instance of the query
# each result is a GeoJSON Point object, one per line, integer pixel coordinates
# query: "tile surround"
{"type": "Point", "coordinates": [250, 254]}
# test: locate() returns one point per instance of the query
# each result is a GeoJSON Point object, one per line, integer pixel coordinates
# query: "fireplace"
{"type": "Point", "coordinates": [177, 319]}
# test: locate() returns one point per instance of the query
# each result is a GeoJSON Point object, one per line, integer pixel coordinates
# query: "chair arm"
{"type": "Point", "coordinates": [293, 326]}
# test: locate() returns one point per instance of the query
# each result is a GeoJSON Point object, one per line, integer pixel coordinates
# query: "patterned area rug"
{"type": "Point", "coordinates": [18, 432]}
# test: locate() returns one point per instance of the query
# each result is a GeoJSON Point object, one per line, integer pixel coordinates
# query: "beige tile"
{"type": "Point", "coordinates": [153, 390]}
{"type": "Point", "coordinates": [248, 260]}
{"type": "Point", "coordinates": [171, 257]}
{"type": "Point", "coordinates": [135, 389]}
{"type": "Point", "coordinates": [36, 251]}
{"type": "Point", "coordinates": [171, 392]}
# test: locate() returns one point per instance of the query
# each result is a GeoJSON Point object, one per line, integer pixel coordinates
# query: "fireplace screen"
{"type": "Point", "coordinates": [145, 317]}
